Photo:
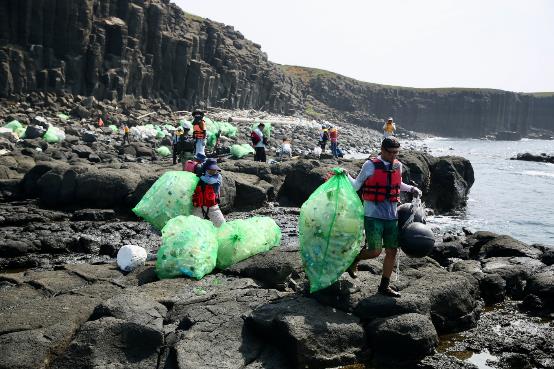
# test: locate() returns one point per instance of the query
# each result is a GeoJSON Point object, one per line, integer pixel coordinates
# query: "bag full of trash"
{"type": "Point", "coordinates": [242, 238]}
{"type": "Point", "coordinates": [54, 135]}
{"type": "Point", "coordinates": [189, 247]}
{"type": "Point", "coordinates": [130, 257]}
{"type": "Point", "coordinates": [163, 151]}
{"type": "Point", "coordinates": [14, 125]}
{"type": "Point", "coordinates": [240, 151]}
{"type": "Point", "coordinates": [331, 228]}
{"type": "Point", "coordinates": [169, 196]}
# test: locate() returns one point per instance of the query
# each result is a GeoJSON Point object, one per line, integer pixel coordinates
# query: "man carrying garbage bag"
{"type": "Point", "coordinates": [199, 132]}
{"type": "Point", "coordinates": [206, 197]}
{"type": "Point", "coordinates": [381, 182]}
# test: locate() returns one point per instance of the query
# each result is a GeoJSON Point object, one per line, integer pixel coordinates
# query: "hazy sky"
{"type": "Point", "coordinates": [503, 44]}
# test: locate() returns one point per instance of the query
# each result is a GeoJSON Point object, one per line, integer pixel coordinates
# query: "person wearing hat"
{"type": "Point", "coordinates": [187, 145]}
{"type": "Point", "coordinates": [388, 128]}
{"type": "Point", "coordinates": [199, 132]}
{"type": "Point", "coordinates": [176, 143]}
{"type": "Point", "coordinates": [206, 197]}
{"type": "Point", "coordinates": [381, 182]}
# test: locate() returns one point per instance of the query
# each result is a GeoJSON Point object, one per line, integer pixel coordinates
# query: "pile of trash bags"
{"type": "Point", "coordinates": [193, 247]}
{"type": "Point", "coordinates": [148, 131]}
{"type": "Point", "coordinates": [240, 151]}
{"type": "Point", "coordinates": [331, 228]}
{"type": "Point", "coordinates": [169, 197]}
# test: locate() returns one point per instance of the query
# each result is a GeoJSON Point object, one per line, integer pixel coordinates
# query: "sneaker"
{"type": "Point", "coordinates": [388, 292]}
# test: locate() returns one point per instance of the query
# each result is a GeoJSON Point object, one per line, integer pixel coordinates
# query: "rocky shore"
{"type": "Point", "coordinates": [63, 218]}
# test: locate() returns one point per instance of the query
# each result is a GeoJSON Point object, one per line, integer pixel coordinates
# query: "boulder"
{"type": "Point", "coordinates": [402, 337]}
{"type": "Point", "coordinates": [272, 269]}
{"type": "Point", "coordinates": [34, 132]}
{"type": "Point", "coordinates": [83, 151]}
{"type": "Point", "coordinates": [504, 246]}
{"type": "Point", "coordinates": [379, 306]}
{"type": "Point", "coordinates": [116, 344]}
{"type": "Point", "coordinates": [312, 335]}
{"type": "Point", "coordinates": [89, 136]}
{"type": "Point", "coordinates": [493, 289]}
{"type": "Point", "coordinates": [451, 179]}
{"type": "Point", "coordinates": [454, 299]}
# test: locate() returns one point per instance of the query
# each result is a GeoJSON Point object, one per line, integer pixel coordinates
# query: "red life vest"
{"type": "Point", "coordinates": [204, 195]}
{"type": "Point", "coordinates": [198, 130]}
{"type": "Point", "coordinates": [383, 184]}
{"type": "Point", "coordinates": [333, 135]}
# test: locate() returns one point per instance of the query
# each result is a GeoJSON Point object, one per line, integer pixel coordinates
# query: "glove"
{"type": "Point", "coordinates": [416, 191]}
{"type": "Point", "coordinates": [218, 200]}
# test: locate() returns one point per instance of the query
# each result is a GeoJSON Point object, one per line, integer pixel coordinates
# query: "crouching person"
{"type": "Point", "coordinates": [206, 197]}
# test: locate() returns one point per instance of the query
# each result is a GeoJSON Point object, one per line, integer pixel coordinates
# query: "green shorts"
{"type": "Point", "coordinates": [381, 233]}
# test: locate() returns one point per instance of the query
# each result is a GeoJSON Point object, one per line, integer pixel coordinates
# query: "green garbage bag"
{"type": "Point", "coordinates": [227, 129]}
{"type": "Point", "coordinates": [14, 125]}
{"type": "Point", "coordinates": [113, 128]}
{"type": "Point", "coordinates": [20, 132]}
{"type": "Point", "coordinates": [169, 196]}
{"type": "Point", "coordinates": [53, 135]}
{"type": "Point", "coordinates": [63, 117]}
{"type": "Point", "coordinates": [240, 151]}
{"type": "Point", "coordinates": [189, 247]}
{"type": "Point", "coordinates": [331, 229]}
{"type": "Point", "coordinates": [163, 151]}
{"type": "Point", "coordinates": [242, 238]}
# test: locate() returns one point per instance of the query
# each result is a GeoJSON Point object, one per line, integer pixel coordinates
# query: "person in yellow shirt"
{"type": "Point", "coordinates": [388, 128]}
{"type": "Point", "coordinates": [126, 134]}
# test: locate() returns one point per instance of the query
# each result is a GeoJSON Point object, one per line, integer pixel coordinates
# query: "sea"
{"type": "Point", "coordinates": [510, 197]}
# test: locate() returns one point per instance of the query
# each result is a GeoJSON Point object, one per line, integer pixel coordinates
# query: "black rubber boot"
{"type": "Point", "coordinates": [384, 288]}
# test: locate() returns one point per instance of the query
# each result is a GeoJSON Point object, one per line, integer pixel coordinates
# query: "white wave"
{"type": "Point", "coordinates": [538, 173]}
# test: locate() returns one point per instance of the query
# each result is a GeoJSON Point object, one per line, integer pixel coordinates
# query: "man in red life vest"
{"type": "Point", "coordinates": [199, 132]}
{"type": "Point", "coordinates": [381, 182]}
{"type": "Point", "coordinates": [206, 197]}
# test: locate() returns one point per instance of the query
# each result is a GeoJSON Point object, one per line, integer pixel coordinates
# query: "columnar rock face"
{"type": "Point", "coordinates": [151, 48]}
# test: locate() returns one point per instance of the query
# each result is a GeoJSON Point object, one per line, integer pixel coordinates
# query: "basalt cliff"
{"type": "Point", "coordinates": [152, 48]}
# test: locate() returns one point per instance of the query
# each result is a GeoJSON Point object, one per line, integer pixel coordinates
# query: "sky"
{"type": "Point", "coordinates": [502, 44]}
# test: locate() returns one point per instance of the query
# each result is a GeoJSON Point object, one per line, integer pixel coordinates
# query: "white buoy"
{"type": "Point", "coordinates": [130, 257]}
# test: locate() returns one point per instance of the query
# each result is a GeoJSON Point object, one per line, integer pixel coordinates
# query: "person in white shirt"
{"type": "Point", "coordinates": [285, 150]}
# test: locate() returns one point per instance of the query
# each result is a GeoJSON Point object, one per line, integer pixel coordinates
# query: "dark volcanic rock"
{"type": "Point", "coordinates": [402, 337]}
{"type": "Point", "coordinates": [336, 338]}
{"type": "Point", "coordinates": [530, 157]}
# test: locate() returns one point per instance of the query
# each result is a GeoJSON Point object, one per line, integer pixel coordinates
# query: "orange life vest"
{"type": "Point", "coordinates": [333, 135]}
{"type": "Point", "coordinates": [204, 195]}
{"type": "Point", "coordinates": [383, 184]}
{"type": "Point", "coordinates": [198, 130]}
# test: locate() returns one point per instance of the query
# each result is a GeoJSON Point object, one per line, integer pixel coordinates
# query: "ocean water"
{"type": "Point", "coordinates": [510, 197]}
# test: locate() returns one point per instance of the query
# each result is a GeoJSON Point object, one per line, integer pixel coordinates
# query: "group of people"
{"type": "Point", "coordinates": [330, 134]}
{"type": "Point", "coordinates": [184, 144]}
{"type": "Point", "coordinates": [380, 182]}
